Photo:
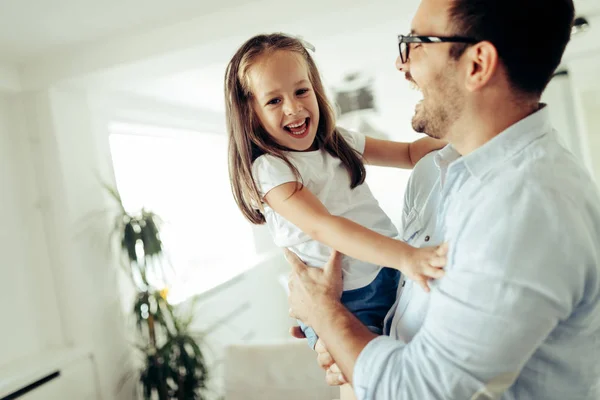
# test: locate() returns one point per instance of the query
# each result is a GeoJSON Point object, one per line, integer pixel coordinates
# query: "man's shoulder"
{"type": "Point", "coordinates": [550, 192]}
{"type": "Point", "coordinates": [548, 177]}
{"type": "Point", "coordinates": [424, 175]}
{"type": "Point", "coordinates": [419, 195]}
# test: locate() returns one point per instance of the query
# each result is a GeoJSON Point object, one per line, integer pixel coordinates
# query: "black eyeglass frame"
{"type": "Point", "coordinates": [405, 40]}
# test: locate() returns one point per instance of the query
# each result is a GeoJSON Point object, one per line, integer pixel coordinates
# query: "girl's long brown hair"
{"type": "Point", "coordinates": [248, 139]}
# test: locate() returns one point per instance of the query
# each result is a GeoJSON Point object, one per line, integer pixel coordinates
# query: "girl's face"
{"type": "Point", "coordinates": [284, 99]}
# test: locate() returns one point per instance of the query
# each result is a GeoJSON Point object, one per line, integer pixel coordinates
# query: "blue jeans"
{"type": "Point", "coordinates": [369, 304]}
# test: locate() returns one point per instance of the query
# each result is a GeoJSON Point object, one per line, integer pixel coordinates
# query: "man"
{"type": "Point", "coordinates": [517, 315]}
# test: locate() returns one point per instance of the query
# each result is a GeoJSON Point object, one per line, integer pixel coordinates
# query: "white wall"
{"type": "Point", "coordinates": [60, 290]}
{"type": "Point", "coordinates": [583, 71]}
{"type": "Point", "coordinates": [590, 101]}
{"type": "Point", "coordinates": [69, 161]}
{"type": "Point", "coordinates": [9, 78]}
{"type": "Point", "coordinates": [252, 308]}
{"type": "Point", "coordinates": [562, 98]}
{"type": "Point", "coordinates": [28, 303]}
{"type": "Point", "coordinates": [582, 59]}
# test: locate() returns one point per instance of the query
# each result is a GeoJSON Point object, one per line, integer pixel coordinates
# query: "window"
{"type": "Point", "coordinates": [182, 176]}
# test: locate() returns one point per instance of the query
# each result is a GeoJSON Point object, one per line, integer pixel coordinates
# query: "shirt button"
{"type": "Point", "coordinates": [427, 238]}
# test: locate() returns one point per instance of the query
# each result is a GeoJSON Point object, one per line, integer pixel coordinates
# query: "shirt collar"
{"type": "Point", "coordinates": [445, 157]}
{"type": "Point", "coordinates": [509, 142]}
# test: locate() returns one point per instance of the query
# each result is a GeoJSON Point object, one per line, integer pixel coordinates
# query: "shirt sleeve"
{"type": "Point", "coordinates": [270, 172]}
{"type": "Point", "coordinates": [408, 203]}
{"type": "Point", "coordinates": [505, 289]}
{"type": "Point", "coordinates": [354, 139]}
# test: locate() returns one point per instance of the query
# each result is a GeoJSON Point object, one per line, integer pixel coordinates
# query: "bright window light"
{"type": "Point", "coordinates": [182, 176]}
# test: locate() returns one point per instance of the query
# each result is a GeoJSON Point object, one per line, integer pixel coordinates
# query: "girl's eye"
{"type": "Point", "coordinates": [301, 92]}
{"type": "Point", "coordinates": [273, 102]}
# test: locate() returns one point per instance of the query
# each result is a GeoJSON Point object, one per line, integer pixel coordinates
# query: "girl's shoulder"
{"type": "Point", "coordinates": [268, 165]}
{"type": "Point", "coordinates": [270, 171]}
{"type": "Point", "coordinates": [356, 140]}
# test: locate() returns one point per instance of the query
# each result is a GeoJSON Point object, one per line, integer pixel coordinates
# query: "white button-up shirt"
{"type": "Point", "coordinates": [517, 315]}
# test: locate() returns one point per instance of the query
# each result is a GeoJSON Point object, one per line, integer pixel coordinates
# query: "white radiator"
{"type": "Point", "coordinates": [55, 375]}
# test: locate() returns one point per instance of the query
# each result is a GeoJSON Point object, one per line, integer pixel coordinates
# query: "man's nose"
{"type": "Point", "coordinates": [401, 66]}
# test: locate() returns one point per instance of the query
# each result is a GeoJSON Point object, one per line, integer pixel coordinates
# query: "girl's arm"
{"type": "Point", "coordinates": [304, 210]}
{"type": "Point", "coordinates": [387, 153]}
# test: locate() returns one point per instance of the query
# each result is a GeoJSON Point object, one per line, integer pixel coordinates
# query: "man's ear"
{"type": "Point", "coordinates": [482, 64]}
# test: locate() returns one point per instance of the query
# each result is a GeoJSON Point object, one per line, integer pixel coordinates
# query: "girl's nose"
{"type": "Point", "coordinates": [293, 107]}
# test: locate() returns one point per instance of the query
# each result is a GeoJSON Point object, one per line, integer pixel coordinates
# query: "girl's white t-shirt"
{"type": "Point", "coordinates": [327, 178]}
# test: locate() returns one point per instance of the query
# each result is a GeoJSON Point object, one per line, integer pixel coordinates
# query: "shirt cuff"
{"type": "Point", "coordinates": [369, 366]}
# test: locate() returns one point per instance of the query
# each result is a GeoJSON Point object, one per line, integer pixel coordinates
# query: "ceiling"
{"type": "Point", "coordinates": [34, 28]}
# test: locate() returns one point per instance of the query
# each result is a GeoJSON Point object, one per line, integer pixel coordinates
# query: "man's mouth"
{"type": "Point", "coordinates": [414, 86]}
{"type": "Point", "coordinates": [298, 129]}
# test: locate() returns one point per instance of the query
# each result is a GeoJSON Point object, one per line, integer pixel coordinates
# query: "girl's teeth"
{"type": "Point", "coordinates": [296, 125]}
{"type": "Point", "coordinates": [299, 133]}
{"type": "Point", "coordinates": [293, 128]}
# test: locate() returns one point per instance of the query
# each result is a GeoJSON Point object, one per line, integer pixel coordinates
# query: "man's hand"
{"type": "Point", "coordinates": [333, 375]}
{"type": "Point", "coordinates": [314, 298]}
{"type": "Point", "coordinates": [312, 289]}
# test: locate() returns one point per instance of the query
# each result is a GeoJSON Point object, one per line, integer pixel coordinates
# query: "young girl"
{"type": "Point", "coordinates": [291, 167]}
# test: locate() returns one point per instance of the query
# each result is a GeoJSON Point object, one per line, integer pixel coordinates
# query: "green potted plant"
{"type": "Point", "coordinates": [173, 365]}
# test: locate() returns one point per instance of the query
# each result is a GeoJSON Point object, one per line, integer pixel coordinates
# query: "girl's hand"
{"type": "Point", "coordinates": [425, 264]}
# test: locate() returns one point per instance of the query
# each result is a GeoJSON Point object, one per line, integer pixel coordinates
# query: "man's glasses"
{"type": "Point", "coordinates": [405, 41]}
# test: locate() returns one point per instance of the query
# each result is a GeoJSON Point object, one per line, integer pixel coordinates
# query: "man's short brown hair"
{"type": "Point", "coordinates": [529, 35]}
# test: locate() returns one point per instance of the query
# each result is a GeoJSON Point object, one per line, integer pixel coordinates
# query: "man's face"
{"type": "Point", "coordinates": [434, 72]}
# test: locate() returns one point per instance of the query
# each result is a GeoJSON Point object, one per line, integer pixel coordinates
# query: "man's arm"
{"type": "Point", "coordinates": [506, 288]}
{"type": "Point", "coordinates": [315, 299]}
{"type": "Point", "coordinates": [351, 336]}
